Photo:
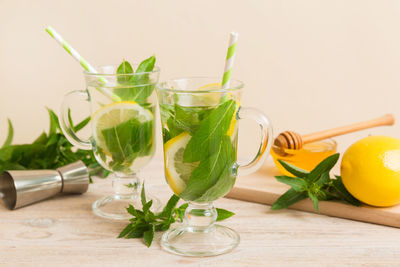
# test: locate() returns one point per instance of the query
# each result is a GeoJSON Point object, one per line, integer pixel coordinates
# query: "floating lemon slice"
{"type": "Point", "coordinates": [212, 98]}
{"type": "Point", "coordinates": [113, 114]}
{"type": "Point", "coordinates": [177, 172]}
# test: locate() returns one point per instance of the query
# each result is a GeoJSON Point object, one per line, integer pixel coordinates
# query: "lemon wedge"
{"type": "Point", "coordinates": [113, 114]}
{"type": "Point", "coordinates": [177, 172]}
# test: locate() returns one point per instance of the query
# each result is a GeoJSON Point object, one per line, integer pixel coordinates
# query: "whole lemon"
{"type": "Point", "coordinates": [370, 170]}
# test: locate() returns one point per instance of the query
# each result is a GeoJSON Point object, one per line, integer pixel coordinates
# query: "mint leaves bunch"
{"type": "Point", "coordinates": [48, 151]}
{"type": "Point", "coordinates": [210, 150]}
{"type": "Point", "coordinates": [145, 223]}
{"type": "Point", "coordinates": [316, 185]}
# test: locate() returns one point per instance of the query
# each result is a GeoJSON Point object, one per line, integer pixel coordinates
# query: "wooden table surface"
{"type": "Point", "coordinates": [64, 231]}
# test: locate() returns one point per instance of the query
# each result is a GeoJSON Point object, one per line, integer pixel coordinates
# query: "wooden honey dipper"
{"type": "Point", "coordinates": [292, 140]}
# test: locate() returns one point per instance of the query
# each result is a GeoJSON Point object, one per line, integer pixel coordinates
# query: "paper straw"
{"type": "Point", "coordinates": [230, 57]}
{"type": "Point", "coordinates": [86, 65]}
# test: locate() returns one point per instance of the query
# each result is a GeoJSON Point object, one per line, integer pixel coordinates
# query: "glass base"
{"type": "Point", "coordinates": [212, 241]}
{"type": "Point", "coordinates": [114, 207]}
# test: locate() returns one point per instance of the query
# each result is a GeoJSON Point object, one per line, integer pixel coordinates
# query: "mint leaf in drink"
{"type": "Point", "coordinates": [146, 65]}
{"type": "Point", "coordinates": [124, 68]}
{"type": "Point", "coordinates": [145, 223]}
{"type": "Point", "coordinates": [317, 185]}
{"type": "Point", "coordinates": [222, 187]}
{"type": "Point", "coordinates": [128, 140]}
{"type": "Point", "coordinates": [209, 171]}
{"type": "Point", "coordinates": [138, 86]}
{"type": "Point", "coordinates": [207, 138]}
{"type": "Point", "coordinates": [184, 119]}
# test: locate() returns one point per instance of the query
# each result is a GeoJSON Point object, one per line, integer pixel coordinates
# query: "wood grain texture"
{"type": "Point", "coordinates": [72, 235]}
{"type": "Point", "coordinates": [262, 187]}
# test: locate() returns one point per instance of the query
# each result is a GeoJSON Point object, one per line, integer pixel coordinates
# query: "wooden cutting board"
{"type": "Point", "coordinates": [262, 187]}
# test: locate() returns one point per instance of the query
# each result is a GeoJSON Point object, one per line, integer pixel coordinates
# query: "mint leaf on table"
{"type": "Point", "coordinates": [145, 223]}
{"type": "Point", "coordinates": [223, 214]}
{"type": "Point", "coordinates": [316, 185]}
{"type": "Point", "coordinates": [206, 140]}
{"type": "Point", "coordinates": [47, 151]}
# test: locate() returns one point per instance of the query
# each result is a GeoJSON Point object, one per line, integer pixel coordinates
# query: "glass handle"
{"type": "Point", "coordinates": [65, 124]}
{"type": "Point", "coordinates": [266, 139]}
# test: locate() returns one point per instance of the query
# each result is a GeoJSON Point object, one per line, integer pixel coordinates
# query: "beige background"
{"type": "Point", "coordinates": [308, 64]}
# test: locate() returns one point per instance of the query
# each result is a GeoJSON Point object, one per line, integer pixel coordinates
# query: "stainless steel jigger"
{"type": "Point", "coordinates": [21, 188]}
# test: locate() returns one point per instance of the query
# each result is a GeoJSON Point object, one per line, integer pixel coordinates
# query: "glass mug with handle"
{"type": "Point", "coordinates": [122, 132]}
{"type": "Point", "coordinates": [200, 135]}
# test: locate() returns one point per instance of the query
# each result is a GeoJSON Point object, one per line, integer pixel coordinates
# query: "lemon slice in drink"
{"type": "Point", "coordinates": [208, 98]}
{"type": "Point", "coordinates": [177, 172]}
{"type": "Point", "coordinates": [113, 114]}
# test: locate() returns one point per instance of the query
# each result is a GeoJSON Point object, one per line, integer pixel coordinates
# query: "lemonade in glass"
{"type": "Point", "coordinates": [122, 102]}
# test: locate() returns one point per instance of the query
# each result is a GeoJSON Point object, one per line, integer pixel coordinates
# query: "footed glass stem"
{"type": "Point", "coordinates": [126, 192]}
{"type": "Point", "coordinates": [199, 235]}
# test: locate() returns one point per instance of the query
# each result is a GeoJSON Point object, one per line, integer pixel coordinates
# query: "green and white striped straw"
{"type": "Point", "coordinates": [86, 65]}
{"type": "Point", "coordinates": [230, 57]}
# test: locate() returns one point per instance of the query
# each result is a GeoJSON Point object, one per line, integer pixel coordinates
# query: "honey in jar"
{"type": "Point", "coordinates": [306, 158]}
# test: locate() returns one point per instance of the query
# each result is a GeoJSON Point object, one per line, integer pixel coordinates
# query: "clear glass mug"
{"type": "Point", "coordinates": [200, 135]}
{"type": "Point", "coordinates": [122, 127]}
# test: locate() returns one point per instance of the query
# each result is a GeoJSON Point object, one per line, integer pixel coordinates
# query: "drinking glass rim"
{"type": "Point", "coordinates": [231, 88]}
{"type": "Point", "coordinates": [156, 69]}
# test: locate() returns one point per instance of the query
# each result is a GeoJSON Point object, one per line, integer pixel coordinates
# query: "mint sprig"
{"type": "Point", "coordinates": [316, 185]}
{"type": "Point", "coordinates": [145, 223]}
{"type": "Point", "coordinates": [48, 151]}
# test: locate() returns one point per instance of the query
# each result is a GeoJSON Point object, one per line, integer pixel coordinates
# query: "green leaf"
{"type": "Point", "coordinates": [324, 179]}
{"type": "Point", "coordinates": [314, 199]}
{"type": "Point", "coordinates": [298, 184]}
{"type": "Point", "coordinates": [222, 187]}
{"type": "Point", "coordinates": [171, 204]}
{"type": "Point", "coordinates": [146, 207]}
{"type": "Point", "coordinates": [143, 196]}
{"type": "Point", "coordinates": [54, 124]}
{"type": "Point", "coordinates": [293, 169]}
{"type": "Point", "coordinates": [139, 86]}
{"type": "Point", "coordinates": [124, 68]}
{"type": "Point", "coordinates": [289, 198]}
{"type": "Point", "coordinates": [149, 235]}
{"type": "Point", "coordinates": [146, 65]}
{"type": "Point", "coordinates": [70, 120]}
{"type": "Point", "coordinates": [342, 192]}
{"type": "Point", "coordinates": [224, 214]}
{"type": "Point", "coordinates": [10, 134]}
{"type": "Point", "coordinates": [209, 171]}
{"type": "Point", "coordinates": [207, 138]}
{"type": "Point", "coordinates": [82, 124]}
{"type": "Point", "coordinates": [126, 230]}
{"type": "Point", "coordinates": [325, 166]}
{"type": "Point", "coordinates": [128, 140]}
{"type": "Point", "coordinates": [42, 139]}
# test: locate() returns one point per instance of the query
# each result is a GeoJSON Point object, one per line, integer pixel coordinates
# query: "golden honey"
{"type": "Point", "coordinates": [306, 158]}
